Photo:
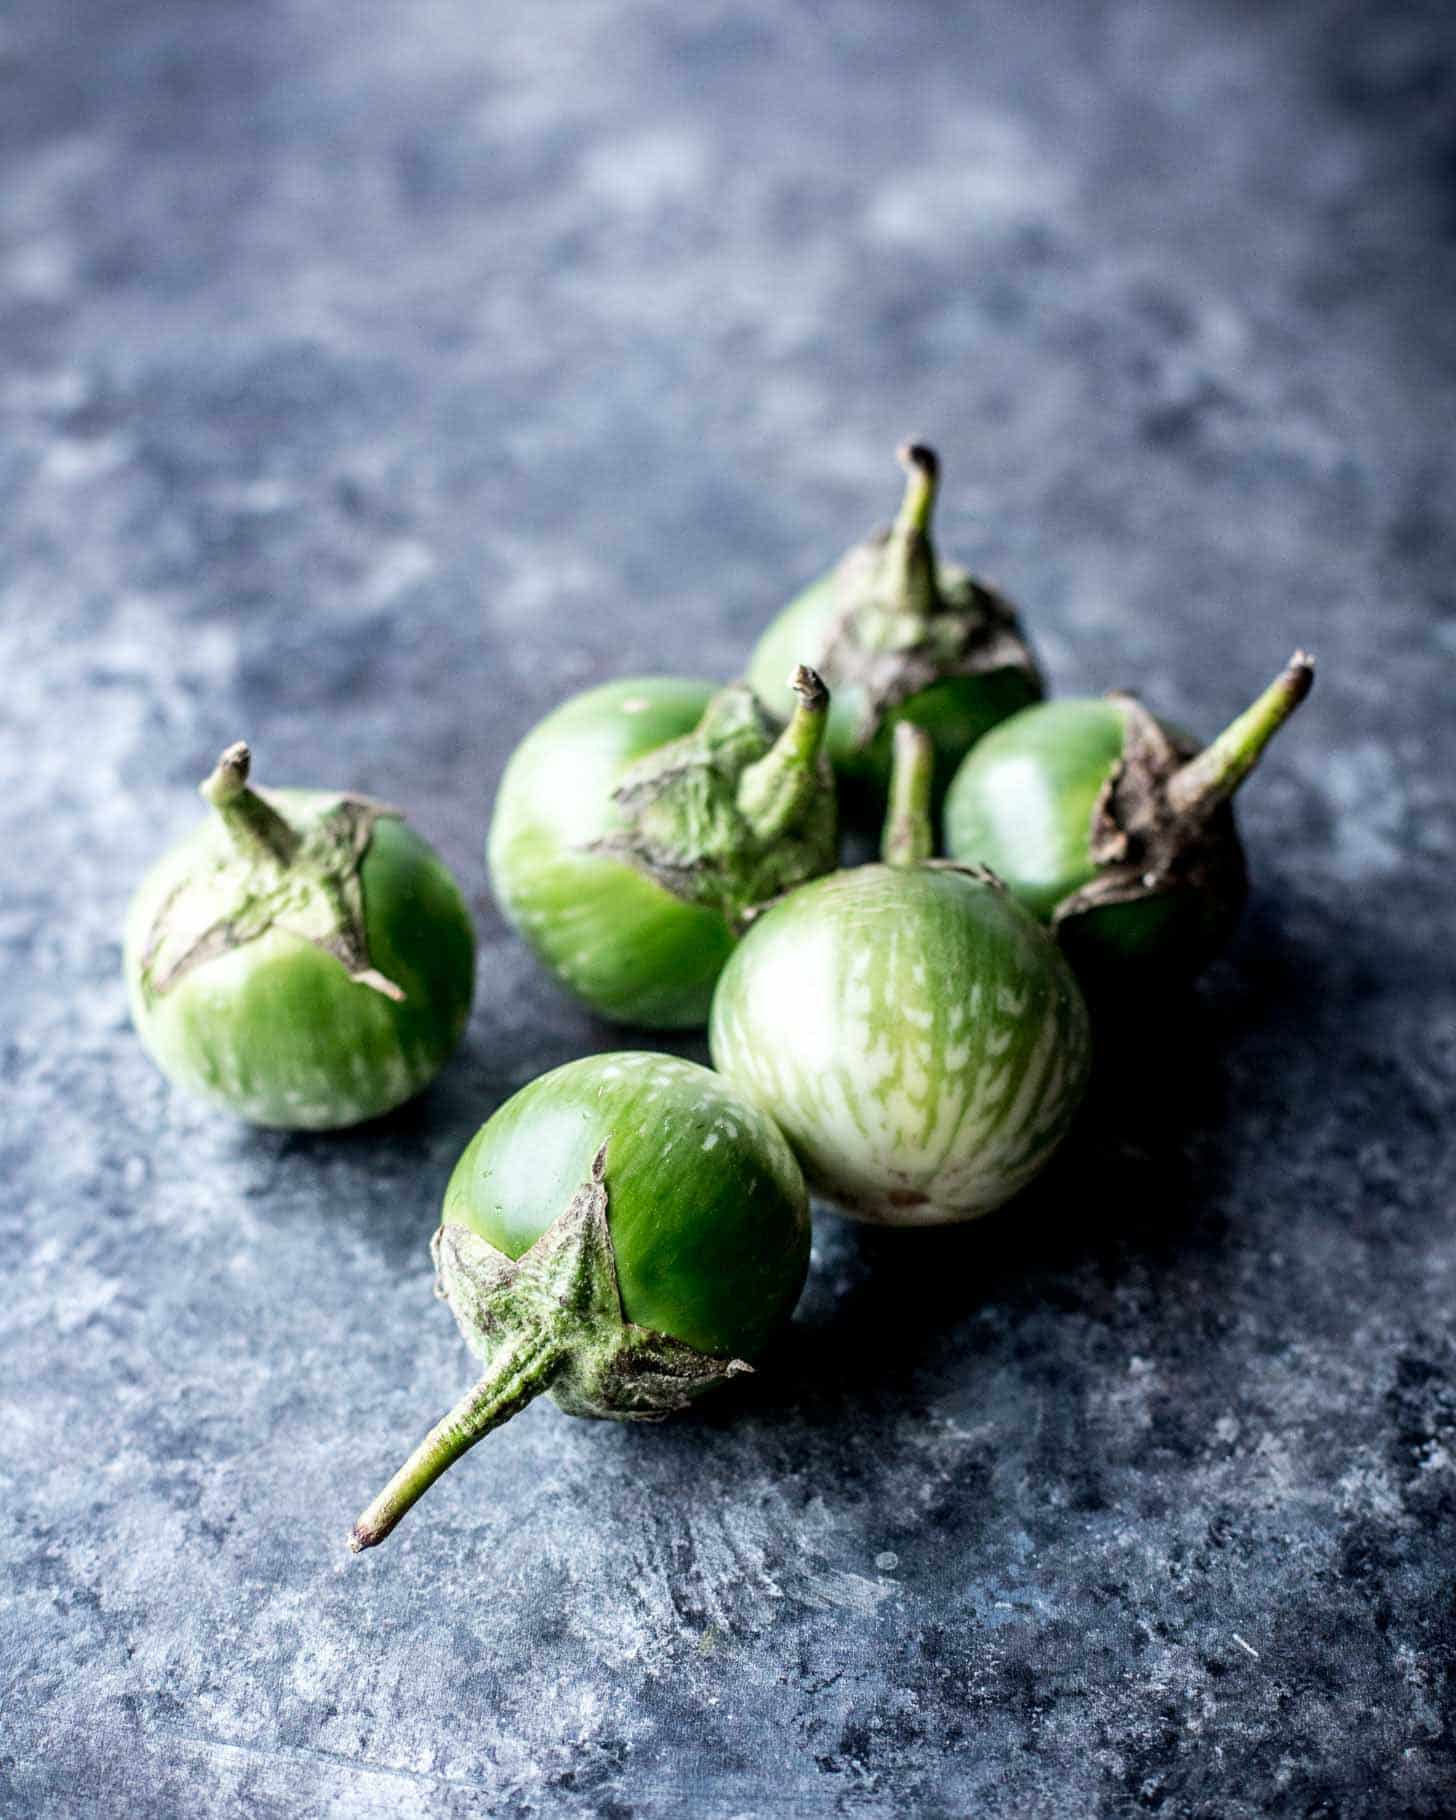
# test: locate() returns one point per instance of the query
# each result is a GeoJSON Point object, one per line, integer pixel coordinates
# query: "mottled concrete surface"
{"type": "Point", "coordinates": [374, 375]}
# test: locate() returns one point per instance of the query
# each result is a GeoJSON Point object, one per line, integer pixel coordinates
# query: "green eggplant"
{"type": "Point", "coordinates": [898, 635]}
{"type": "Point", "coordinates": [302, 958]}
{"type": "Point", "coordinates": [917, 1035]}
{"type": "Point", "coordinates": [1115, 828]}
{"type": "Point", "coordinates": [626, 1233]}
{"type": "Point", "coordinates": [639, 825]}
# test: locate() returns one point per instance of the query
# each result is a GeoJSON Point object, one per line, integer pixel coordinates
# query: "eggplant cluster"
{"type": "Point", "coordinates": [909, 1038]}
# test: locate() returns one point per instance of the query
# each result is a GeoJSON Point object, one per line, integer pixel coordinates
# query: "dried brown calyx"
{"type": "Point", "coordinates": [906, 621]}
{"type": "Point", "coordinates": [1162, 820]}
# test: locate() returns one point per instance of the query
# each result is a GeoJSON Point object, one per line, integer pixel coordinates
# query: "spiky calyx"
{"type": "Point", "coordinates": [269, 873]}
{"type": "Point", "coordinates": [550, 1320]}
{"type": "Point", "coordinates": [904, 622]}
{"type": "Point", "coordinates": [739, 810]}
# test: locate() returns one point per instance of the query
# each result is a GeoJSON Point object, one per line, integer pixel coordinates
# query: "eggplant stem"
{"type": "Point", "coordinates": [922, 470]}
{"type": "Point", "coordinates": [908, 583]}
{"type": "Point", "coordinates": [908, 837]}
{"type": "Point", "coordinates": [1212, 776]}
{"type": "Point", "coordinates": [773, 792]}
{"type": "Point", "coordinates": [255, 826]}
{"type": "Point", "coordinates": [518, 1374]}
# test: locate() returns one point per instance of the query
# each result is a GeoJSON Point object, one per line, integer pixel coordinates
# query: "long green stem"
{"type": "Point", "coordinates": [1216, 772]}
{"type": "Point", "coordinates": [254, 825]}
{"type": "Point", "coordinates": [520, 1372]}
{"type": "Point", "coordinates": [908, 837]}
{"type": "Point", "coordinates": [774, 792]}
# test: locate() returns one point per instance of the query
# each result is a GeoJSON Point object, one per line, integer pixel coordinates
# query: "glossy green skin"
{"type": "Point", "coordinates": [275, 1030]}
{"type": "Point", "coordinates": [630, 949]}
{"type": "Point", "coordinates": [708, 1211]}
{"type": "Point", "coordinates": [955, 712]}
{"type": "Point", "coordinates": [917, 1036]}
{"type": "Point", "coordinates": [1022, 804]}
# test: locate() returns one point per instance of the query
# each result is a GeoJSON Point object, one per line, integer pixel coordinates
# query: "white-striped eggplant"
{"type": "Point", "coordinates": [916, 1033]}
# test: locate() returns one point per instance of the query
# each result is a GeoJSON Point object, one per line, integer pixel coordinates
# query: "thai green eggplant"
{"type": "Point", "coordinates": [639, 825]}
{"type": "Point", "coordinates": [900, 635]}
{"type": "Point", "coordinates": [627, 1233]}
{"type": "Point", "coordinates": [1114, 828]}
{"type": "Point", "coordinates": [302, 958]}
{"type": "Point", "coordinates": [913, 1030]}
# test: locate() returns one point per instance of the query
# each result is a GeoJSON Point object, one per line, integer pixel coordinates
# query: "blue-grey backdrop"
{"type": "Point", "coordinates": [374, 375]}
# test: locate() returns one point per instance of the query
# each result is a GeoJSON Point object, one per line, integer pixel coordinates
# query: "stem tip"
{"type": "Point", "coordinates": [230, 775]}
{"type": "Point", "coordinates": [810, 688]}
{"type": "Point", "coordinates": [1299, 676]}
{"type": "Point", "coordinates": [917, 458]}
{"type": "Point", "coordinates": [922, 465]}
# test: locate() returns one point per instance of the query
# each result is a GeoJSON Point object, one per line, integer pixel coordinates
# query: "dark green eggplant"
{"type": "Point", "coordinates": [639, 825]}
{"type": "Point", "coordinates": [625, 1233]}
{"type": "Point", "coordinates": [1114, 828]}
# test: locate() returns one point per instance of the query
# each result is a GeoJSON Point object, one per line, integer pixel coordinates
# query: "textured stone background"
{"type": "Point", "coordinates": [373, 375]}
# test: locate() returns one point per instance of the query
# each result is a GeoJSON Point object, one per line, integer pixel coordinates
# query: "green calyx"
{"type": "Point", "coordinates": [1159, 823]}
{"type": "Point", "coordinates": [269, 873]}
{"type": "Point", "coordinates": [739, 810]}
{"type": "Point", "coordinates": [549, 1321]}
{"type": "Point", "coordinates": [904, 622]}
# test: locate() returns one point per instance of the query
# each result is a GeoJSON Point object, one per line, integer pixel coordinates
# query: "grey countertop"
{"type": "Point", "coordinates": [371, 376]}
